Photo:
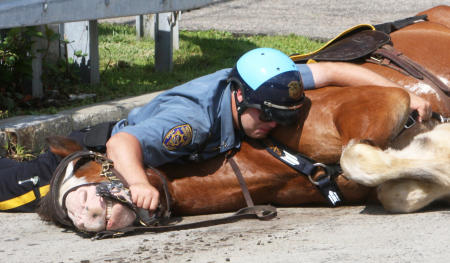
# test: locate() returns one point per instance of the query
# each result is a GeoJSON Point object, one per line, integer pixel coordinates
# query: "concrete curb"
{"type": "Point", "coordinates": [31, 131]}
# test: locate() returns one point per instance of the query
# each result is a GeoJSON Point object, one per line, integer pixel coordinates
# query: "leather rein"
{"type": "Point", "coordinates": [159, 222]}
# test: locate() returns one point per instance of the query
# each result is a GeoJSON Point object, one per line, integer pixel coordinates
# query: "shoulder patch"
{"type": "Point", "coordinates": [177, 137]}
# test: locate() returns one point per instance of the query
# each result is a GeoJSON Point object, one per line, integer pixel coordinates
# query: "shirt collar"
{"type": "Point", "coordinates": [228, 137]}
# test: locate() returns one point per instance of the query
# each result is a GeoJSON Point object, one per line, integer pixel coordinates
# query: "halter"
{"type": "Point", "coordinates": [109, 189]}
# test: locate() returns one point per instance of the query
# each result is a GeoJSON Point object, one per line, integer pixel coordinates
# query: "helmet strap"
{"type": "Point", "coordinates": [240, 108]}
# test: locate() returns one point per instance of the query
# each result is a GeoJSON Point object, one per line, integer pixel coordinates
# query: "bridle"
{"type": "Point", "coordinates": [160, 220]}
{"type": "Point", "coordinates": [108, 189]}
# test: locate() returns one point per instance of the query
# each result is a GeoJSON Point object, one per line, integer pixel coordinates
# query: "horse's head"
{"type": "Point", "coordinates": [84, 191]}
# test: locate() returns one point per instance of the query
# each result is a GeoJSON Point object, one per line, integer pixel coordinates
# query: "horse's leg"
{"type": "Point", "coordinates": [409, 195]}
{"type": "Point", "coordinates": [378, 115]}
{"type": "Point", "coordinates": [426, 158]}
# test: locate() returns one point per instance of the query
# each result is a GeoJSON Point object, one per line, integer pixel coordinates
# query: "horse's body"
{"type": "Point", "coordinates": [332, 118]}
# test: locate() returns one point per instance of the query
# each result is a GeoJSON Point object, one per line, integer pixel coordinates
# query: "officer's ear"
{"type": "Point", "coordinates": [239, 95]}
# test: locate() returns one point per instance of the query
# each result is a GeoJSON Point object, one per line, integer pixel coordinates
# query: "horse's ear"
{"type": "Point", "coordinates": [63, 146]}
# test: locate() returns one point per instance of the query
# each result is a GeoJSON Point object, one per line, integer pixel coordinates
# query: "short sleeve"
{"type": "Point", "coordinates": [170, 134]}
{"type": "Point", "coordinates": [307, 77]}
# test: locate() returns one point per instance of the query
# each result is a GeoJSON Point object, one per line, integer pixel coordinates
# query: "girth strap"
{"type": "Point", "coordinates": [325, 183]}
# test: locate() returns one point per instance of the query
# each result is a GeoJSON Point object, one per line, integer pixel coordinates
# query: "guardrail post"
{"type": "Point", "coordinates": [175, 30]}
{"type": "Point", "coordinates": [139, 27]}
{"type": "Point", "coordinates": [145, 26]}
{"type": "Point", "coordinates": [37, 89]}
{"type": "Point", "coordinates": [83, 48]}
{"type": "Point", "coordinates": [163, 43]}
{"type": "Point", "coordinates": [94, 62]}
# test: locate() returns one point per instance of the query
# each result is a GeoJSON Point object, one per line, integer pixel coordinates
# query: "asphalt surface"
{"type": "Point", "coordinates": [304, 234]}
{"type": "Point", "coordinates": [320, 19]}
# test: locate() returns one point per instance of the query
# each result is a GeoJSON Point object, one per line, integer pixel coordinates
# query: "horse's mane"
{"type": "Point", "coordinates": [45, 209]}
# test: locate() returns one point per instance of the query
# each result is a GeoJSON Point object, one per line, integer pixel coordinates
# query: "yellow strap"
{"type": "Point", "coordinates": [298, 57]}
{"type": "Point", "coordinates": [23, 199]}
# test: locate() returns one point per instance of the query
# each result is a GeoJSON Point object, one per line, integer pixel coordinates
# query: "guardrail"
{"type": "Point", "coordinates": [18, 13]}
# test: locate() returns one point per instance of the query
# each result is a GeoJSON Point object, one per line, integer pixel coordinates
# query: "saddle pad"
{"type": "Point", "coordinates": [353, 43]}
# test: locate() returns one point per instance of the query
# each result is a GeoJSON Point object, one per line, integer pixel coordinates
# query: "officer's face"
{"type": "Point", "coordinates": [253, 126]}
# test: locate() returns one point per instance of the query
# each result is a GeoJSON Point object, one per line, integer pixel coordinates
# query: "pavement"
{"type": "Point", "coordinates": [319, 19]}
{"type": "Point", "coordinates": [304, 234]}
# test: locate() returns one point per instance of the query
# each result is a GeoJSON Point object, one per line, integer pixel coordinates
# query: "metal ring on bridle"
{"type": "Point", "coordinates": [316, 165]}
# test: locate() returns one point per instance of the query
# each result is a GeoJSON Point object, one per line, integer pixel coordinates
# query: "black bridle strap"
{"type": "Point", "coordinates": [261, 212]}
{"type": "Point", "coordinates": [57, 178]}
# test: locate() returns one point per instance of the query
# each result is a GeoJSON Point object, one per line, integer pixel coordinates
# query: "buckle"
{"type": "Point", "coordinates": [410, 122]}
{"type": "Point", "coordinates": [327, 186]}
{"type": "Point", "coordinates": [318, 165]}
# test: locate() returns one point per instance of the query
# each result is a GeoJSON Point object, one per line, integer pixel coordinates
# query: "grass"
{"type": "Point", "coordinates": [16, 151]}
{"type": "Point", "coordinates": [127, 65]}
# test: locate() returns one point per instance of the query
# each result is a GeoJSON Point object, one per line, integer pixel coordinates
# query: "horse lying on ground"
{"type": "Point", "coordinates": [332, 118]}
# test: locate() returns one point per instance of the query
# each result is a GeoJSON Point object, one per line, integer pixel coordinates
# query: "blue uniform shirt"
{"type": "Point", "coordinates": [191, 119]}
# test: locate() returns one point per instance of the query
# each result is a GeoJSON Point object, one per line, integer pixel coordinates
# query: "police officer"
{"type": "Point", "coordinates": [208, 116]}
{"type": "Point", "coordinates": [204, 117]}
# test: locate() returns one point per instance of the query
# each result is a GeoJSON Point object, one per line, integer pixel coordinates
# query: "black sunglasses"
{"type": "Point", "coordinates": [265, 116]}
{"type": "Point", "coordinates": [283, 117]}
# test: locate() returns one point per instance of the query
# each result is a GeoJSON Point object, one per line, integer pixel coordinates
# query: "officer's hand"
{"type": "Point", "coordinates": [145, 196]}
{"type": "Point", "coordinates": [422, 106]}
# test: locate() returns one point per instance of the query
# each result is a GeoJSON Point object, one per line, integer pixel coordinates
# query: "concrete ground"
{"type": "Point", "coordinates": [311, 234]}
{"type": "Point", "coordinates": [346, 234]}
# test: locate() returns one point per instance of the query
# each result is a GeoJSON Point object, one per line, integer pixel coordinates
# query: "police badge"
{"type": "Point", "coordinates": [177, 137]}
{"type": "Point", "coordinates": [295, 90]}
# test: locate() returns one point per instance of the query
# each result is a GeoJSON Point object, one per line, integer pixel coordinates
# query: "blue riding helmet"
{"type": "Point", "coordinates": [270, 82]}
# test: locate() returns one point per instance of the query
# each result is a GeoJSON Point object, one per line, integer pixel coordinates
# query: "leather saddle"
{"type": "Point", "coordinates": [373, 44]}
{"type": "Point", "coordinates": [354, 43]}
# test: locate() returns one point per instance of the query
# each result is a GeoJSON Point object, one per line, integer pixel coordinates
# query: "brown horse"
{"type": "Point", "coordinates": [332, 118]}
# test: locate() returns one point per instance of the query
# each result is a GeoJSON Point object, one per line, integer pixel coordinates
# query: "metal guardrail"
{"type": "Point", "coordinates": [17, 13]}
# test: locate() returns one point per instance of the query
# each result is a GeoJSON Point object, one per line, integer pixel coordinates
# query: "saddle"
{"type": "Point", "coordinates": [367, 43]}
{"type": "Point", "coordinates": [352, 44]}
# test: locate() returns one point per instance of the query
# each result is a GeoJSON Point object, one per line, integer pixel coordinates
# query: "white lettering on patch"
{"type": "Point", "coordinates": [289, 158]}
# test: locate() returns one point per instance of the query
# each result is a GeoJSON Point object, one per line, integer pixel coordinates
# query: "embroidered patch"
{"type": "Point", "coordinates": [276, 150]}
{"type": "Point", "coordinates": [295, 90]}
{"type": "Point", "coordinates": [177, 137]}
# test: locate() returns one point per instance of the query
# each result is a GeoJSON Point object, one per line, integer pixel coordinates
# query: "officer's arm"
{"type": "Point", "coordinates": [346, 74]}
{"type": "Point", "coordinates": [125, 151]}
